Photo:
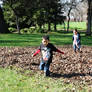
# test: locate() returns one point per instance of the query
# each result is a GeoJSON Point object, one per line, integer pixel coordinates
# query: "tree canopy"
{"type": "Point", "coordinates": [20, 14]}
{"type": "Point", "coordinates": [26, 13]}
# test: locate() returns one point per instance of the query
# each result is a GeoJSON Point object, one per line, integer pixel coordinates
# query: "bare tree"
{"type": "Point", "coordinates": [89, 18]}
{"type": "Point", "coordinates": [80, 12]}
{"type": "Point", "coordinates": [69, 5]}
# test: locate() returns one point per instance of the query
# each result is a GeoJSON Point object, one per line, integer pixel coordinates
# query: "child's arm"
{"type": "Point", "coordinates": [59, 51]}
{"type": "Point", "coordinates": [72, 38]}
{"type": "Point", "coordinates": [36, 52]}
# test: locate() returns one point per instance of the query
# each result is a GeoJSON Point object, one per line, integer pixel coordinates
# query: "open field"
{"type": "Point", "coordinates": [73, 25]}
{"type": "Point", "coordinates": [35, 39]}
{"type": "Point", "coordinates": [19, 72]}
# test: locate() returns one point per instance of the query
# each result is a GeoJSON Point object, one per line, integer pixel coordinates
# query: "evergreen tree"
{"type": "Point", "coordinates": [3, 25]}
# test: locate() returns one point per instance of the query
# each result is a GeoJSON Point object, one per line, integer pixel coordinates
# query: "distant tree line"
{"type": "Point", "coordinates": [26, 13]}
{"type": "Point", "coordinates": [39, 14]}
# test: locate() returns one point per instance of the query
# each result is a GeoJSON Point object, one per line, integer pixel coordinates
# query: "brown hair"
{"type": "Point", "coordinates": [76, 30]}
{"type": "Point", "coordinates": [46, 37]}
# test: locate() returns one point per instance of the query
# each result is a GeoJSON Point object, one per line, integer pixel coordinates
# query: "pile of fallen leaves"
{"type": "Point", "coordinates": [74, 66]}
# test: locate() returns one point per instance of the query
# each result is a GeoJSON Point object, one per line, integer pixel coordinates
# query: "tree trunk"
{"type": "Point", "coordinates": [49, 26]}
{"type": "Point", "coordinates": [64, 26]}
{"type": "Point", "coordinates": [3, 25]}
{"type": "Point", "coordinates": [17, 24]}
{"type": "Point", "coordinates": [89, 18]}
{"type": "Point", "coordinates": [68, 18]}
{"type": "Point", "coordinates": [68, 24]}
{"type": "Point", "coordinates": [55, 27]}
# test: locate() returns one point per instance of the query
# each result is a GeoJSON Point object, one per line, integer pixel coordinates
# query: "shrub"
{"type": "Point", "coordinates": [11, 29]}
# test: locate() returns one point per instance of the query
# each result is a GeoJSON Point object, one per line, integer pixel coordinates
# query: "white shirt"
{"type": "Point", "coordinates": [75, 39]}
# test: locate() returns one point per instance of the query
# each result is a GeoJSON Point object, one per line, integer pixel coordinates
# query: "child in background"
{"type": "Point", "coordinates": [76, 40]}
{"type": "Point", "coordinates": [46, 49]}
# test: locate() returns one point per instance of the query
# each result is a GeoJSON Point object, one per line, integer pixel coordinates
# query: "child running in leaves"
{"type": "Point", "coordinates": [76, 41]}
{"type": "Point", "coordinates": [46, 49]}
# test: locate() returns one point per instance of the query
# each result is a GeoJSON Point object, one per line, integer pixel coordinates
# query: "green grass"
{"type": "Point", "coordinates": [13, 81]}
{"type": "Point", "coordinates": [73, 25]}
{"type": "Point", "coordinates": [35, 39]}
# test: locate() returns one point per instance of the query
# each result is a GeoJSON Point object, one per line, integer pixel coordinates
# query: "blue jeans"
{"type": "Point", "coordinates": [75, 47]}
{"type": "Point", "coordinates": [44, 65]}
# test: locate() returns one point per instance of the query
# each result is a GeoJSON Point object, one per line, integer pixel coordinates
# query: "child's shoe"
{"type": "Point", "coordinates": [47, 74]}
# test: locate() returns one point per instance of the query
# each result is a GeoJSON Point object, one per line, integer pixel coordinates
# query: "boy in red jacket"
{"type": "Point", "coordinates": [46, 49]}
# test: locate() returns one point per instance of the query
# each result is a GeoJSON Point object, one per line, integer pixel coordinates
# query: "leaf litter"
{"type": "Point", "coordinates": [70, 66]}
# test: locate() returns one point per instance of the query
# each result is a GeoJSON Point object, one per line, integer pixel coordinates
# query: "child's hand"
{"type": "Point", "coordinates": [62, 52]}
{"type": "Point", "coordinates": [32, 55]}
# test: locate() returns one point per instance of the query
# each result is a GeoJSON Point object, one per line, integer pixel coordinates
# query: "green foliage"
{"type": "Point", "coordinates": [9, 15]}
{"type": "Point", "coordinates": [30, 13]}
{"type": "Point", "coordinates": [28, 30]}
{"type": "Point", "coordinates": [11, 29]}
{"type": "Point", "coordinates": [20, 9]}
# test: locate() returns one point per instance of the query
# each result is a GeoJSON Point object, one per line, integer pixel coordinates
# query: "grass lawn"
{"type": "Point", "coordinates": [73, 25]}
{"type": "Point", "coordinates": [13, 81]}
{"type": "Point", "coordinates": [35, 39]}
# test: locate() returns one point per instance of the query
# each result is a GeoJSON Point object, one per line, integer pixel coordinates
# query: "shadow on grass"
{"type": "Point", "coordinates": [56, 75]}
{"type": "Point", "coordinates": [12, 41]}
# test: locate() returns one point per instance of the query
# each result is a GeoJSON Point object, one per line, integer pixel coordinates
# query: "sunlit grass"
{"type": "Point", "coordinates": [35, 39]}
{"type": "Point", "coordinates": [73, 25]}
{"type": "Point", "coordinates": [13, 81]}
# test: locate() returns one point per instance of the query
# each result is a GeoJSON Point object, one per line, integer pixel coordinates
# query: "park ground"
{"type": "Point", "coordinates": [19, 72]}
{"type": "Point", "coordinates": [71, 72]}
